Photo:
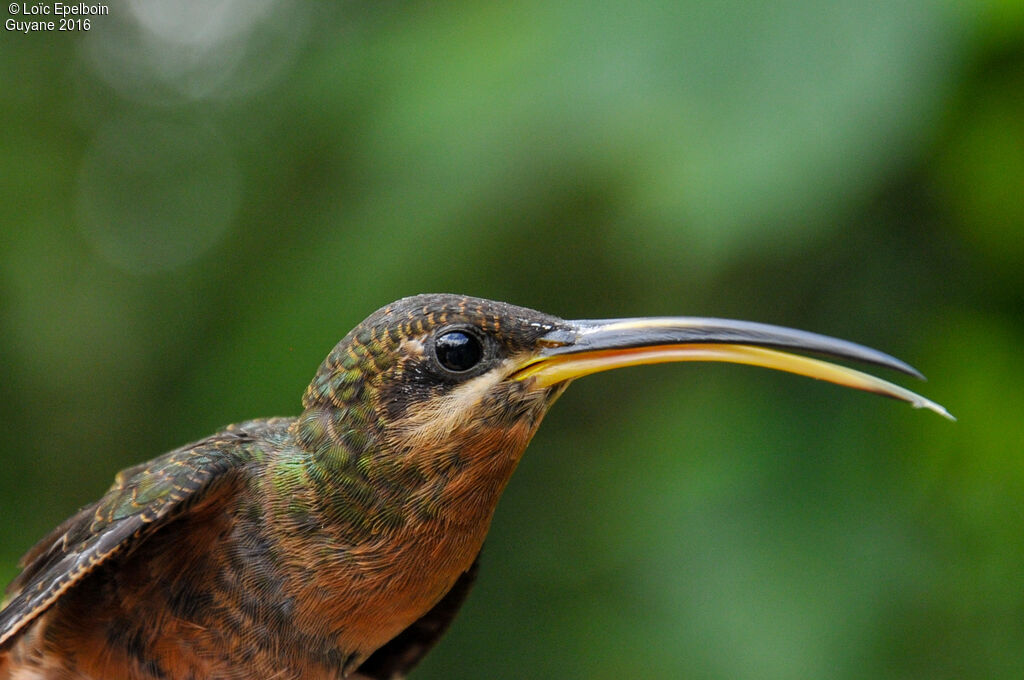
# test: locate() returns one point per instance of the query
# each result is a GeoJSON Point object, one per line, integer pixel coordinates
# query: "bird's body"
{"type": "Point", "coordinates": [262, 575]}
{"type": "Point", "coordinates": [336, 544]}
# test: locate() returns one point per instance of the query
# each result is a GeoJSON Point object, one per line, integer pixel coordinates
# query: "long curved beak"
{"type": "Point", "coordinates": [590, 346]}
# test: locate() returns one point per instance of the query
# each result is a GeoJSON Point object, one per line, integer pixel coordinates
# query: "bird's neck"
{"type": "Point", "coordinates": [369, 477]}
{"type": "Point", "coordinates": [392, 526]}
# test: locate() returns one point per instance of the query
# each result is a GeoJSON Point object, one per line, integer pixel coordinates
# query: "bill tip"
{"type": "Point", "coordinates": [937, 408]}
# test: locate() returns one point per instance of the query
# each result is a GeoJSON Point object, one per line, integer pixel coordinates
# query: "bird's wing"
{"type": "Point", "coordinates": [394, 660]}
{"type": "Point", "coordinates": [143, 498]}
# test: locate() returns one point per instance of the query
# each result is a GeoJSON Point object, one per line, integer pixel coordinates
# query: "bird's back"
{"type": "Point", "coordinates": [142, 565]}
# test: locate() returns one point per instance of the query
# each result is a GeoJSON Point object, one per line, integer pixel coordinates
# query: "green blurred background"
{"type": "Point", "coordinates": [198, 199]}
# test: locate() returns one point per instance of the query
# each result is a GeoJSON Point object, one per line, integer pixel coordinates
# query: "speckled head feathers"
{"type": "Point", "coordinates": [371, 349]}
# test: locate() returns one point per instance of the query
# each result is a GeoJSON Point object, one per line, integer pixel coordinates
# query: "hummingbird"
{"type": "Point", "coordinates": [341, 543]}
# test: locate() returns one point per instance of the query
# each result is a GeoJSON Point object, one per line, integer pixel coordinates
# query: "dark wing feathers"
{"type": "Point", "coordinates": [142, 498]}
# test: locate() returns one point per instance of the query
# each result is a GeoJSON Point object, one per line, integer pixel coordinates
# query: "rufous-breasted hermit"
{"type": "Point", "coordinates": [341, 543]}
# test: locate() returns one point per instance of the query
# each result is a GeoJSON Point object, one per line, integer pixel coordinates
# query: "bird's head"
{"type": "Point", "coordinates": [428, 373]}
{"type": "Point", "coordinates": [432, 372]}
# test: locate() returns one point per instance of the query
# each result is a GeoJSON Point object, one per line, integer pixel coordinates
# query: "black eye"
{"type": "Point", "coordinates": [458, 351]}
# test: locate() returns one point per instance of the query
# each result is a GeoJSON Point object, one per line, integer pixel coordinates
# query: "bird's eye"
{"type": "Point", "coordinates": [458, 351]}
